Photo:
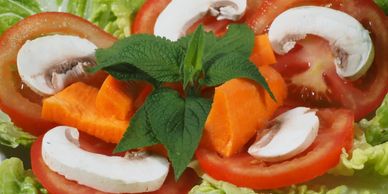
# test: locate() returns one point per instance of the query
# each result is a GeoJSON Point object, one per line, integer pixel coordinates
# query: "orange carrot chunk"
{"type": "Point", "coordinates": [240, 108]}
{"type": "Point", "coordinates": [262, 51]}
{"type": "Point", "coordinates": [121, 99]}
{"type": "Point", "coordinates": [75, 106]}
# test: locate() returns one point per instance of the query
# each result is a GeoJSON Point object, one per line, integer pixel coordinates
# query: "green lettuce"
{"type": "Point", "coordinates": [11, 11]}
{"type": "Point", "coordinates": [13, 136]}
{"type": "Point", "coordinates": [359, 183]}
{"type": "Point", "coordinates": [376, 129]}
{"type": "Point", "coordinates": [212, 186]}
{"type": "Point", "coordinates": [114, 16]}
{"type": "Point", "coordinates": [364, 157]}
{"type": "Point", "coordinates": [14, 179]}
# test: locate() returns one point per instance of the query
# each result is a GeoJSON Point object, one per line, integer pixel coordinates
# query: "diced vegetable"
{"type": "Point", "coordinates": [75, 106]}
{"type": "Point", "coordinates": [240, 108]}
{"type": "Point", "coordinates": [121, 99]}
{"type": "Point", "coordinates": [17, 100]}
{"type": "Point", "coordinates": [262, 51]}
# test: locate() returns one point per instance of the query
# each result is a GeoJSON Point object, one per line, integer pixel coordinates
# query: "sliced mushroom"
{"type": "Point", "coordinates": [350, 41]}
{"type": "Point", "coordinates": [50, 63]}
{"type": "Point", "coordinates": [179, 15]}
{"type": "Point", "coordinates": [290, 134]}
{"type": "Point", "coordinates": [134, 173]}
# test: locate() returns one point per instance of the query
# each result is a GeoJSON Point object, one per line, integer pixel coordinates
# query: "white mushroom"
{"type": "Point", "coordinates": [50, 63]}
{"type": "Point", "coordinates": [179, 15]}
{"type": "Point", "coordinates": [291, 133]}
{"type": "Point", "coordinates": [350, 41]}
{"type": "Point", "coordinates": [130, 174]}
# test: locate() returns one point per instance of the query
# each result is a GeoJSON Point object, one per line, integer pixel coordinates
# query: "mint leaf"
{"type": "Point", "coordinates": [239, 39]}
{"type": "Point", "coordinates": [233, 66]}
{"type": "Point", "coordinates": [155, 56]}
{"type": "Point", "coordinates": [128, 72]}
{"type": "Point", "coordinates": [198, 59]}
{"type": "Point", "coordinates": [192, 64]}
{"type": "Point", "coordinates": [383, 5]}
{"type": "Point", "coordinates": [139, 133]}
{"type": "Point", "coordinates": [210, 40]}
{"type": "Point", "coordinates": [177, 123]}
{"type": "Point", "coordinates": [171, 120]}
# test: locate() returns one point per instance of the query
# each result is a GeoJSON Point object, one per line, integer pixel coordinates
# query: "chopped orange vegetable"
{"type": "Point", "coordinates": [75, 106]}
{"type": "Point", "coordinates": [240, 108]}
{"type": "Point", "coordinates": [121, 99]}
{"type": "Point", "coordinates": [262, 51]}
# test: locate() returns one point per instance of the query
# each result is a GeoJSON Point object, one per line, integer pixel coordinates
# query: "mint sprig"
{"type": "Point", "coordinates": [198, 60]}
{"type": "Point", "coordinates": [154, 56]}
{"type": "Point", "coordinates": [193, 64]}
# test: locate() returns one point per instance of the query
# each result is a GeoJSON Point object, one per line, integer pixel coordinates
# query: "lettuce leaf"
{"type": "Point", "coordinates": [212, 186]}
{"type": "Point", "coordinates": [11, 11]}
{"type": "Point", "coordinates": [359, 183]}
{"type": "Point", "coordinates": [13, 136]}
{"type": "Point", "coordinates": [364, 157]}
{"type": "Point", "coordinates": [114, 16]}
{"type": "Point", "coordinates": [376, 129]}
{"type": "Point", "coordinates": [14, 179]}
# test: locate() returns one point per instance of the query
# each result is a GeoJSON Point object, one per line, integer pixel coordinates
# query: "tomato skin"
{"type": "Point", "coordinates": [352, 95]}
{"type": "Point", "coordinates": [336, 132]}
{"type": "Point", "coordinates": [53, 182]}
{"type": "Point", "coordinates": [24, 112]}
{"type": "Point", "coordinates": [58, 184]}
{"type": "Point", "coordinates": [146, 17]}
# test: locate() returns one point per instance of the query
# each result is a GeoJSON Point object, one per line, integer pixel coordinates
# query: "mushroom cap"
{"type": "Point", "coordinates": [137, 173]}
{"type": "Point", "coordinates": [179, 15]}
{"type": "Point", "coordinates": [351, 43]}
{"type": "Point", "coordinates": [39, 56]}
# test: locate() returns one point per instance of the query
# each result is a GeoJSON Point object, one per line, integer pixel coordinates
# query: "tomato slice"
{"type": "Point", "coordinates": [335, 132]}
{"type": "Point", "coordinates": [18, 101]}
{"type": "Point", "coordinates": [320, 85]}
{"type": "Point", "coordinates": [58, 184]}
{"type": "Point", "coordinates": [148, 14]}
{"type": "Point", "coordinates": [146, 17]}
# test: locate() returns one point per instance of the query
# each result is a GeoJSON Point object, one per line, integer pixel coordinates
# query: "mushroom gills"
{"type": "Point", "coordinates": [179, 15]}
{"type": "Point", "coordinates": [50, 63]}
{"type": "Point", "coordinates": [68, 72]}
{"type": "Point", "coordinates": [289, 134]}
{"type": "Point", "coordinates": [351, 43]}
{"type": "Point", "coordinates": [133, 173]}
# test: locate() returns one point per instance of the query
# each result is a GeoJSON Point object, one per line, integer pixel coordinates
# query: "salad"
{"type": "Point", "coordinates": [188, 96]}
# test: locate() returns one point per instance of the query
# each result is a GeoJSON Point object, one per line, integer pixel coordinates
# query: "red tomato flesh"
{"type": "Point", "coordinates": [58, 184]}
{"type": "Point", "coordinates": [148, 14]}
{"type": "Point", "coordinates": [319, 85]}
{"type": "Point", "coordinates": [19, 102]}
{"type": "Point", "coordinates": [335, 133]}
